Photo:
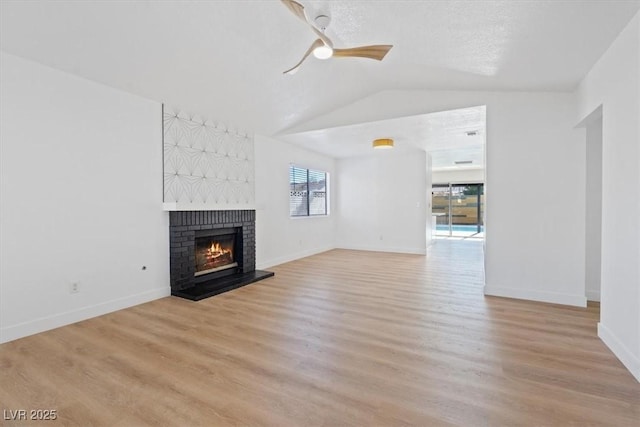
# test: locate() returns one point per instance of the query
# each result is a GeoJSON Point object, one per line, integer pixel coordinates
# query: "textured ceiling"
{"type": "Point", "coordinates": [445, 135]}
{"type": "Point", "coordinates": [225, 59]}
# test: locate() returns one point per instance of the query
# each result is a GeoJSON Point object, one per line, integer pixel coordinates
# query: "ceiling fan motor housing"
{"type": "Point", "coordinates": [322, 21]}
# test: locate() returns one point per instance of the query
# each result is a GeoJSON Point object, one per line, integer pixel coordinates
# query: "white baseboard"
{"type": "Point", "coordinates": [593, 295]}
{"type": "Point", "coordinates": [391, 249]}
{"type": "Point", "coordinates": [527, 294]}
{"type": "Point", "coordinates": [628, 359]}
{"type": "Point", "coordinates": [291, 257]}
{"type": "Point", "coordinates": [42, 324]}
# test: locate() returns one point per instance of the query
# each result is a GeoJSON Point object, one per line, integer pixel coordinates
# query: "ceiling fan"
{"type": "Point", "coordinates": [322, 47]}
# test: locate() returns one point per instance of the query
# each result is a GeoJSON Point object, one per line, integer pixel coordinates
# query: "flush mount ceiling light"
{"type": "Point", "coordinates": [383, 143]}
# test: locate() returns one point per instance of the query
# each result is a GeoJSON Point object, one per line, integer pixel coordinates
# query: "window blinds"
{"type": "Point", "coordinates": [307, 192]}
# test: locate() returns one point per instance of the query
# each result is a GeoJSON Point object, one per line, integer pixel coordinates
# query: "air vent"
{"type": "Point", "coordinates": [472, 133]}
{"type": "Point", "coordinates": [463, 162]}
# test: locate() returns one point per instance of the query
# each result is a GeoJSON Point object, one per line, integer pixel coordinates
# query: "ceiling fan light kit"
{"type": "Point", "coordinates": [323, 52]}
{"type": "Point", "coordinates": [383, 143]}
{"type": "Point", "coordinates": [322, 47]}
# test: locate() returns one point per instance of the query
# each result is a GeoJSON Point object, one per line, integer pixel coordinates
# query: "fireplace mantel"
{"type": "Point", "coordinates": [180, 206]}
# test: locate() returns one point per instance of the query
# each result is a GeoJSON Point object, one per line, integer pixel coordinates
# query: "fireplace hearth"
{"type": "Point", "coordinates": [212, 252]}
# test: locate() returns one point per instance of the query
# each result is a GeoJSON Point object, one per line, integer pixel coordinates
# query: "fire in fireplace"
{"type": "Point", "coordinates": [214, 253]}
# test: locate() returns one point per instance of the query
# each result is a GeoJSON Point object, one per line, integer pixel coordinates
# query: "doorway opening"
{"type": "Point", "coordinates": [456, 146]}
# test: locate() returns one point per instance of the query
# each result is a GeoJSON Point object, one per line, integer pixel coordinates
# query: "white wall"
{"type": "Point", "coordinates": [535, 181]}
{"type": "Point", "coordinates": [383, 202]}
{"type": "Point", "coordinates": [614, 84]}
{"type": "Point", "coordinates": [593, 208]}
{"type": "Point", "coordinates": [458, 176]}
{"type": "Point", "coordinates": [280, 238]}
{"type": "Point", "coordinates": [81, 192]}
{"type": "Point", "coordinates": [535, 178]}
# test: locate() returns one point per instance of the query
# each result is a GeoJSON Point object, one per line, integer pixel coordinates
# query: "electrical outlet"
{"type": "Point", "coordinates": [74, 288]}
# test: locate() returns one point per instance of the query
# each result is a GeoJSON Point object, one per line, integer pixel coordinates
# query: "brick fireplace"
{"type": "Point", "coordinates": [195, 238]}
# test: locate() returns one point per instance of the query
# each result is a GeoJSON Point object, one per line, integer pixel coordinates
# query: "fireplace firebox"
{"type": "Point", "coordinates": [212, 252]}
{"type": "Point", "coordinates": [215, 251]}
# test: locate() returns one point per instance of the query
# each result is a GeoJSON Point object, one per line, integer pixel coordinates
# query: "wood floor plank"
{"type": "Point", "coordinates": [340, 338]}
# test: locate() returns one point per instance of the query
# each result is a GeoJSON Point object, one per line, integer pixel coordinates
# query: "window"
{"type": "Point", "coordinates": [307, 192]}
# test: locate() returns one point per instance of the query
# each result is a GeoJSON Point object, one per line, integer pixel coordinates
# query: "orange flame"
{"type": "Point", "coordinates": [216, 250]}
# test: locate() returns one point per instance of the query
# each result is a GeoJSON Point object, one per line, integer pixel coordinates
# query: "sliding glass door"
{"type": "Point", "coordinates": [458, 209]}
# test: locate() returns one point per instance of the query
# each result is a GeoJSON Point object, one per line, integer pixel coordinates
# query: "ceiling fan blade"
{"type": "Point", "coordinates": [298, 10]}
{"type": "Point", "coordinates": [376, 52]}
{"type": "Point", "coordinates": [315, 44]}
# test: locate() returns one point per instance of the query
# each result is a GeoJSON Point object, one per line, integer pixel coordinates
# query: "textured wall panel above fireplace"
{"type": "Point", "coordinates": [207, 165]}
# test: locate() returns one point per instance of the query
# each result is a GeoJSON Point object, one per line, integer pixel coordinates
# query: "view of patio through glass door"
{"type": "Point", "coordinates": [458, 209]}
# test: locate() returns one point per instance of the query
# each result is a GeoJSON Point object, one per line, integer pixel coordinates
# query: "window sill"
{"type": "Point", "coordinates": [308, 216]}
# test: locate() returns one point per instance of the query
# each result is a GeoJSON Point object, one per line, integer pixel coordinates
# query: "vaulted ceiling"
{"type": "Point", "coordinates": [225, 58]}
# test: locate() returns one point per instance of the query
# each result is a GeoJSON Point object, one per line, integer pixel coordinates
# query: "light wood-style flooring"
{"type": "Point", "coordinates": [338, 339]}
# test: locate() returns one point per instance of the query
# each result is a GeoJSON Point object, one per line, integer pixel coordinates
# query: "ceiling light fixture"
{"type": "Point", "coordinates": [322, 47]}
{"type": "Point", "coordinates": [383, 143]}
{"type": "Point", "coordinates": [323, 52]}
